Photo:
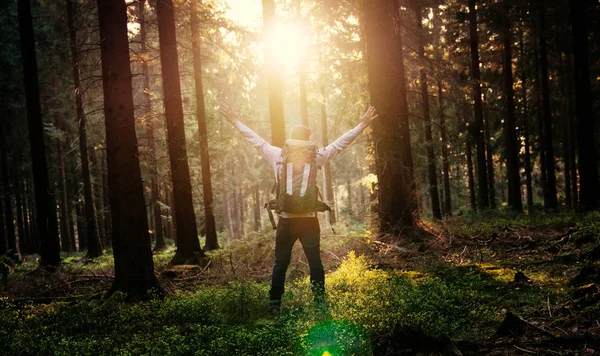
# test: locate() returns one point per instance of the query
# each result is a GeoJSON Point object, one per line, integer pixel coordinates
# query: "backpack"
{"type": "Point", "coordinates": [296, 185]}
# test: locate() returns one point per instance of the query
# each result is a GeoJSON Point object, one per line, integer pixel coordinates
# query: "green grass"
{"type": "Point", "coordinates": [366, 304]}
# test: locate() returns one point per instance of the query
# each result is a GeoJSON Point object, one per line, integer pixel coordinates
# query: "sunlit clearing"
{"type": "Point", "coordinates": [288, 45]}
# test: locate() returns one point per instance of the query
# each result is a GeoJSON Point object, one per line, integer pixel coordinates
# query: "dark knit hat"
{"type": "Point", "coordinates": [301, 132]}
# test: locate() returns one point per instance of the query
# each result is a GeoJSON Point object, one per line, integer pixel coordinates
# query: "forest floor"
{"type": "Point", "coordinates": [493, 284]}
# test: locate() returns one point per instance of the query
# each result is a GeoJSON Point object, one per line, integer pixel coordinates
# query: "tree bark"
{"type": "Point", "coordinates": [134, 268]}
{"type": "Point", "coordinates": [431, 166]}
{"type": "Point", "coordinates": [471, 176]}
{"type": "Point", "coordinates": [65, 220]}
{"type": "Point", "coordinates": [327, 189]}
{"type": "Point", "coordinates": [46, 217]}
{"type": "Point", "coordinates": [525, 125]}
{"type": "Point", "coordinates": [477, 131]}
{"type": "Point", "coordinates": [256, 198]}
{"type": "Point", "coordinates": [188, 245]}
{"type": "Point", "coordinates": [20, 220]}
{"type": "Point", "coordinates": [13, 249]}
{"type": "Point", "coordinates": [275, 86]}
{"type": "Point", "coordinates": [550, 200]}
{"type": "Point", "coordinates": [588, 162]}
{"type": "Point", "coordinates": [490, 162]}
{"type": "Point", "coordinates": [511, 145]}
{"type": "Point", "coordinates": [387, 87]}
{"type": "Point", "coordinates": [3, 237]}
{"type": "Point", "coordinates": [207, 191]}
{"type": "Point", "coordinates": [160, 243]}
{"type": "Point", "coordinates": [94, 247]}
{"type": "Point", "coordinates": [445, 165]}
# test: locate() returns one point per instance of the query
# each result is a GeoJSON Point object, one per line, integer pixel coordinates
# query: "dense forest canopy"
{"type": "Point", "coordinates": [112, 141]}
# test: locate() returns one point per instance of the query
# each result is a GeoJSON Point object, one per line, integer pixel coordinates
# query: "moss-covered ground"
{"type": "Point", "coordinates": [450, 291]}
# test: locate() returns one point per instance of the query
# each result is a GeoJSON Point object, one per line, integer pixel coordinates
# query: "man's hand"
{"type": "Point", "coordinates": [229, 114]}
{"type": "Point", "coordinates": [369, 116]}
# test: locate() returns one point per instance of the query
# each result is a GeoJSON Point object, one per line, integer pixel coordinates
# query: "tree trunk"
{"type": "Point", "coordinates": [431, 166]}
{"type": "Point", "coordinates": [478, 128]}
{"type": "Point", "coordinates": [327, 189]}
{"type": "Point", "coordinates": [564, 127]}
{"type": "Point", "coordinates": [11, 238]}
{"type": "Point", "coordinates": [525, 125]}
{"type": "Point", "coordinates": [550, 200]}
{"type": "Point", "coordinates": [134, 268]}
{"type": "Point", "coordinates": [94, 247]}
{"type": "Point", "coordinates": [511, 146]}
{"type": "Point", "coordinates": [35, 232]}
{"type": "Point", "coordinates": [471, 176]}
{"type": "Point", "coordinates": [387, 86]}
{"type": "Point", "coordinates": [588, 163]}
{"type": "Point", "coordinates": [65, 221]}
{"type": "Point", "coordinates": [273, 78]}
{"type": "Point", "coordinates": [3, 237]}
{"type": "Point", "coordinates": [490, 162]}
{"type": "Point", "coordinates": [207, 191]}
{"type": "Point", "coordinates": [160, 243]}
{"type": "Point", "coordinates": [106, 216]}
{"type": "Point", "coordinates": [20, 221]}
{"type": "Point", "coordinates": [188, 245]}
{"type": "Point", "coordinates": [445, 165]}
{"type": "Point", "coordinates": [50, 248]}
{"type": "Point", "coordinates": [72, 189]}
{"type": "Point", "coordinates": [256, 196]}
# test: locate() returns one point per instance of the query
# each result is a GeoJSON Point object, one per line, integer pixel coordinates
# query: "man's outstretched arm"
{"type": "Point", "coordinates": [266, 150]}
{"type": "Point", "coordinates": [326, 154]}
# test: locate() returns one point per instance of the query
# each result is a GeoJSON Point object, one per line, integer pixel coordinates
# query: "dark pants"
{"type": "Point", "coordinates": [308, 232]}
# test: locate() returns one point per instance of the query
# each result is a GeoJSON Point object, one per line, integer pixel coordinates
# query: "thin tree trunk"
{"type": "Point", "coordinates": [302, 79]}
{"type": "Point", "coordinates": [273, 78]}
{"type": "Point", "coordinates": [72, 189]}
{"type": "Point", "coordinates": [471, 176]}
{"type": "Point", "coordinates": [134, 267]}
{"type": "Point", "coordinates": [511, 145]}
{"type": "Point", "coordinates": [550, 200]}
{"type": "Point", "coordinates": [35, 232]}
{"type": "Point", "coordinates": [94, 247]}
{"type": "Point", "coordinates": [3, 235]}
{"type": "Point", "coordinates": [387, 87]}
{"type": "Point", "coordinates": [490, 162]}
{"type": "Point", "coordinates": [565, 125]}
{"type": "Point", "coordinates": [588, 162]}
{"type": "Point", "coordinates": [207, 191]}
{"type": "Point", "coordinates": [327, 189]}
{"type": "Point", "coordinates": [188, 245]}
{"type": "Point", "coordinates": [431, 166]}
{"type": "Point", "coordinates": [11, 238]}
{"type": "Point", "coordinates": [526, 125]}
{"type": "Point", "coordinates": [65, 221]}
{"type": "Point", "coordinates": [228, 208]}
{"type": "Point", "coordinates": [242, 207]}
{"type": "Point", "coordinates": [350, 203]}
{"type": "Point", "coordinates": [256, 196]}
{"type": "Point", "coordinates": [19, 217]}
{"type": "Point", "coordinates": [478, 128]}
{"type": "Point", "coordinates": [160, 243]}
{"type": "Point", "coordinates": [106, 215]}
{"type": "Point", "coordinates": [445, 165]}
{"type": "Point", "coordinates": [50, 248]}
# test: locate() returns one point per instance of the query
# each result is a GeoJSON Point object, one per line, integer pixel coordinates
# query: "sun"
{"type": "Point", "coordinates": [288, 45]}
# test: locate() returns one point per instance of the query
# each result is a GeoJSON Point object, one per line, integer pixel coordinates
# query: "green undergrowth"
{"type": "Point", "coordinates": [488, 222]}
{"type": "Point", "coordinates": [365, 307]}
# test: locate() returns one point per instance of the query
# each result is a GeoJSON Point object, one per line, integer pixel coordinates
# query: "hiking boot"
{"type": "Point", "coordinates": [275, 307]}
